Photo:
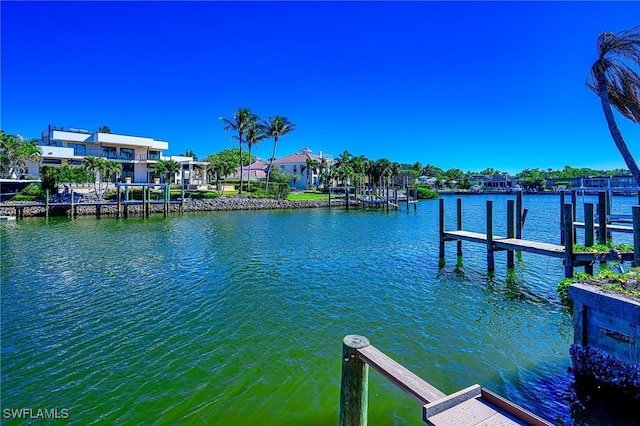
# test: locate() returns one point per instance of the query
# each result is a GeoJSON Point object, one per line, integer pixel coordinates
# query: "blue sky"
{"type": "Point", "coordinates": [469, 85]}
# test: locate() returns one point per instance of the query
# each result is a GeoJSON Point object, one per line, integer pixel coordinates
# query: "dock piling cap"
{"type": "Point", "coordinates": [355, 341]}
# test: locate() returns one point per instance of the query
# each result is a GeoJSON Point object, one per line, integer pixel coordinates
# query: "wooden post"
{"type": "Point", "coordinates": [98, 210]}
{"type": "Point", "coordinates": [46, 203]}
{"type": "Point", "coordinates": [329, 197]}
{"type": "Point", "coordinates": [346, 195]}
{"type": "Point", "coordinates": [510, 231]}
{"type": "Point", "coordinates": [519, 218]}
{"type": "Point", "coordinates": [635, 211]}
{"type": "Point", "coordinates": [561, 218]}
{"type": "Point", "coordinates": [72, 210]}
{"type": "Point", "coordinates": [165, 204]}
{"type": "Point", "coordinates": [441, 225]}
{"type": "Point", "coordinates": [574, 203]}
{"type": "Point", "coordinates": [602, 217]}
{"type": "Point", "coordinates": [568, 238]}
{"type": "Point", "coordinates": [126, 199]}
{"type": "Point", "coordinates": [490, 259]}
{"type": "Point", "coordinates": [181, 199]}
{"type": "Point", "coordinates": [459, 223]}
{"type": "Point", "coordinates": [588, 232]}
{"type": "Point", "coordinates": [354, 386]}
{"type": "Point", "coordinates": [119, 206]}
{"type": "Point", "coordinates": [387, 196]}
{"type": "Point", "coordinates": [415, 205]}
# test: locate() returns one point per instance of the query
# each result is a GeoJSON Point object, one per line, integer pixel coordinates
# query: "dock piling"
{"type": "Point", "coordinates": [588, 232]}
{"type": "Point", "coordinates": [567, 213]}
{"type": "Point", "coordinates": [441, 225]}
{"type": "Point", "coordinates": [459, 224]}
{"type": "Point", "coordinates": [635, 211]}
{"type": "Point", "coordinates": [490, 257]}
{"type": "Point", "coordinates": [510, 231]}
{"type": "Point", "coordinates": [354, 386]}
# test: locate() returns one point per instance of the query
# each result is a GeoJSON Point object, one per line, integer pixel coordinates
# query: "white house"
{"type": "Point", "coordinates": [137, 154]}
{"type": "Point", "coordinates": [294, 165]}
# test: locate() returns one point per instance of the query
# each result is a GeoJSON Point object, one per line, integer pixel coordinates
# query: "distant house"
{"type": "Point", "coordinates": [294, 165]}
{"type": "Point", "coordinates": [497, 182]}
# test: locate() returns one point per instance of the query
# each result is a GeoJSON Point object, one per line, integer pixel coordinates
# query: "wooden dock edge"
{"type": "Point", "coordinates": [358, 354]}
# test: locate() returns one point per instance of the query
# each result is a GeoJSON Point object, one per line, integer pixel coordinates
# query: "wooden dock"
{"type": "Point", "coordinates": [471, 406]}
{"type": "Point", "coordinates": [513, 242]}
{"type": "Point", "coordinates": [122, 203]}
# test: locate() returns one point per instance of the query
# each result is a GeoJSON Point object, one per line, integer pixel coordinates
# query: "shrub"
{"type": "Point", "coordinates": [427, 194]}
{"type": "Point", "coordinates": [20, 197]}
{"type": "Point", "coordinates": [33, 190]}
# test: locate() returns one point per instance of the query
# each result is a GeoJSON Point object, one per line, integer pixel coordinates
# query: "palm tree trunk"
{"type": "Point", "coordinates": [241, 169]}
{"type": "Point", "coordinates": [615, 132]}
{"type": "Point", "coordinates": [249, 174]}
{"type": "Point", "coordinates": [275, 144]}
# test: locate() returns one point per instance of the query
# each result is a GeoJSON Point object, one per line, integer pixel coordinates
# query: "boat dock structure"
{"type": "Point", "coordinates": [513, 241]}
{"type": "Point", "coordinates": [124, 204]}
{"type": "Point", "coordinates": [471, 406]}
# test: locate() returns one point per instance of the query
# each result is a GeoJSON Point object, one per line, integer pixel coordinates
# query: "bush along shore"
{"type": "Point", "coordinates": [226, 203]}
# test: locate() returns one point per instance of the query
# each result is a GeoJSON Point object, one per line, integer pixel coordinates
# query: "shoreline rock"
{"type": "Point", "coordinates": [225, 203]}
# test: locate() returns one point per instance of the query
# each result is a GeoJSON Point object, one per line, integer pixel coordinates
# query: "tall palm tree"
{"type": "Point", "coordinates": [277, 126]}
{"type": "Point", "coordinates": [241, 119]}
{"type": "Point", "coordinates": [312, 168]}
{"type": "Point", "coordinates": [617, 84]}
{"type": "Point", "coordinates": [254, 133]}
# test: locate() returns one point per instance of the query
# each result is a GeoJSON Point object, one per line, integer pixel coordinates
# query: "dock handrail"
{"type": "Point", "coordinates": [358, 354]}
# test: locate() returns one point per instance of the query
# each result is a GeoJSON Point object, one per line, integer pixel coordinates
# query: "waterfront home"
{"type": "Point", "coordinates": [296, 166]}
{"type": "Point", "coordinates": [137, 154]}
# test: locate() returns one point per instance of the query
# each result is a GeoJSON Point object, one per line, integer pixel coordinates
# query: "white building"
{"type": "Point", "coordinates": [295, 165]}
{"type": "Point", "coordinates": [137, 154]}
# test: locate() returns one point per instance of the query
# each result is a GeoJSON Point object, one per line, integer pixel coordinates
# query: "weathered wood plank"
{"type": "Point", "coordinates": [509, 407]}
{"type": "Point", "coordinates": [616, 228]}
{"type": "Point", "coordinates": [419, 389]}
{"type": "Point", "coordinates": [474, 237]}
{"type": "Point", "coordinates": [552, 250]}
{"type": "Point", "coordinates": [449, 401]}
{"type": "Point", "coordinates": [471, 412]}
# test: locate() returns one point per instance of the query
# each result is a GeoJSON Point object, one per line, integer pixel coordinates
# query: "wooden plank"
{"type": "Point", "coordinates": [552, 250]}
{"type": "Point", "coordinates": [471, 412]}
{"type": "Point", "coordinates": [443, 404]}
{"type": "Point", "coordinates": [616, 228]}
{"type": "Point", "coordinates": [474, 237]}
{"type": "Point", "coordinates": [419, 389]}
{"type": "Point", "coordinates": [507, 406]}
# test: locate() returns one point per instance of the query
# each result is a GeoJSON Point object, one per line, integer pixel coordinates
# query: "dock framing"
{"type": "Point", "coordinates": [471, 406]}
{"type": "Point", "coordinates": [513, 242]}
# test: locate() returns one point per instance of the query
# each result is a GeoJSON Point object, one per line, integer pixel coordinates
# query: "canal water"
{"type": "Point", "coordinates": [237, 318]}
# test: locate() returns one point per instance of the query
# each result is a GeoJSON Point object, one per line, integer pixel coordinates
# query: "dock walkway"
{"type": "Point", "coordinates": [471, 406]}
{"type": "Point", "coordinates": [513, 241]}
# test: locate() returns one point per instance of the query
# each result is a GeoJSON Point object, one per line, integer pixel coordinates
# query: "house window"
{"type": "Point", "coordinates": [282, 169]}
{"type": "Point", "coordinates": [154, 155]}
{"type": "Point", "coordinates": [78, 148]}
{"type": "Point", "coordinates": [127, 153]}
{"type": "Point", "coordinates": [109, 152]}
{"type": "Point", "coordinates": [51, 161]}
{"type": "Point", "coordinates": [295, 170]}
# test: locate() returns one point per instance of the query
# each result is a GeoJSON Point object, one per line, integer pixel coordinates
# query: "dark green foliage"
{"type": "Point", "coordinates": [425, 193]}
{"type": "Point", "coordinates": [33, 190]}
{"type": "Point", "coordinates": [20, 197]}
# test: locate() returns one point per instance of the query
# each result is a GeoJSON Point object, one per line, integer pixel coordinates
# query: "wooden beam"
{"type": "Point", "coordinates": [419, 389]}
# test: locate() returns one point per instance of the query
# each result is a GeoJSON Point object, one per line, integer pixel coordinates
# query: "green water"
{"type": "Point", "coordinates": [238, 317]}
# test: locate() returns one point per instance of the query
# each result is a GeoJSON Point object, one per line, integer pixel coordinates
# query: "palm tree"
{"type": "Point", "coordinates": [15, 152]}
{"type": "Point", "coordinates": [241, 119]}
{"type": "Point", "coordinates": [111, 169]}
{"type": "Point", "coordinates": [92, 165]}
{"type": "Point", "coordinates": [254, 133]}
{"type": "Point", "coordinates": [617, 84]}
{"type": "Point", "coordinates": [312, 168]}
{"type": "Point", "coordinates": [277, 126]}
